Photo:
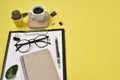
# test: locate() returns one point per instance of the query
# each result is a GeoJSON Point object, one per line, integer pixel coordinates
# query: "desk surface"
{"type": "Point", "coordinates": [92, 34]}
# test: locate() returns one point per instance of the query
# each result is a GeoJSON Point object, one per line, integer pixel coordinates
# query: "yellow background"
{"type": "Point", "coordinates": [92, 32]}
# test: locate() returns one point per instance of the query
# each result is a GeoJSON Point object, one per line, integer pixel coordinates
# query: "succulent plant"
{"type": "Point", "coordinates": [16, 14]}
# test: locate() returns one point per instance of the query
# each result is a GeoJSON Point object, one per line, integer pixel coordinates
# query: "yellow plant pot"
{"type": "Point", "coordinates": [19, 22]}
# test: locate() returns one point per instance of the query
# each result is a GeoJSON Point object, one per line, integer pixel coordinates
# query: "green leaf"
{"type": "Point", "coordinates": [11, 72]}
{"type": "Point", "coordinates": [24, 14]}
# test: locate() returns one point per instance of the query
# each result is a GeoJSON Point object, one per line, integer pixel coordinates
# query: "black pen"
{"type": "Point", "coordinates": [57, 52]}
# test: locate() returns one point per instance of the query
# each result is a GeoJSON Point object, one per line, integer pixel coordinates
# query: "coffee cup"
{"type": "Point", "coordinates": [38, 13]}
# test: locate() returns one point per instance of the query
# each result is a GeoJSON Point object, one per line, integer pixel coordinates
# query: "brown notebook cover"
{"type": "Point", "coordinates": [39, 66]}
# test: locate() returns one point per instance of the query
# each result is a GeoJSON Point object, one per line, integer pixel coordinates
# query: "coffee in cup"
{"type": "Point", "coordinates": [38, 13]}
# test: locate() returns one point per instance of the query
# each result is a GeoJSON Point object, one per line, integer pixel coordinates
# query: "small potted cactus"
{"type": "Point", "coordinates": [17, 18]}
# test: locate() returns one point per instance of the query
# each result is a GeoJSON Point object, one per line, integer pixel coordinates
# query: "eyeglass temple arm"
{"type": "Point", "coordinates": [18, 47]}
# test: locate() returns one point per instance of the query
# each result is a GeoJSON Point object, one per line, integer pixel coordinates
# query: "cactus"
{"type": "Point", "coordinates": [16, 14]}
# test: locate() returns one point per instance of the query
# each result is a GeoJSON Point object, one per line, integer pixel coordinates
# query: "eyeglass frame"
{"type": "Point", "coordinates": [18, 46]}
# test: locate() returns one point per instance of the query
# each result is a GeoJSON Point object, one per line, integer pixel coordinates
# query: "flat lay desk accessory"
{"type": "Point", "coordinates": [17, 17]}
{"type": "Point", "coordinates": [21, 43]}
{"type": "Point", "coordinates": [57, 52]}
{"type": "Point", "coordinates": [39, 66]}
{"type": "Point", "coordinates": [32, 23]}
{"type": "Point", "coordinates": [38, 17]}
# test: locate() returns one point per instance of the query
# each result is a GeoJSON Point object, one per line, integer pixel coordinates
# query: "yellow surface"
{"type": "Point", "coordinates": [92, 34]}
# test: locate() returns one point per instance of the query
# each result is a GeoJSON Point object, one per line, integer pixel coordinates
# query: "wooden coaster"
{"type": "Point", "coordinates": [32, 23]}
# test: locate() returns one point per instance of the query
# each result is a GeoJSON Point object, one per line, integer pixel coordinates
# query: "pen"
{"type": "Point", "coordinates": [57, 52]}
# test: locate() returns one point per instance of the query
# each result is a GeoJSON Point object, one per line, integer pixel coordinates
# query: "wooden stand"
{"type": "Point", "coordinates": [32, 23]}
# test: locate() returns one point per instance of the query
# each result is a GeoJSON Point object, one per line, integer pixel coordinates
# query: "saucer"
{"type": "Point", "coordinates": [32, 23]}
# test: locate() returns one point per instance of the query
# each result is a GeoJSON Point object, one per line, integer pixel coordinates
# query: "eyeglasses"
{"type": "Point", "coordinates": [24, 45]}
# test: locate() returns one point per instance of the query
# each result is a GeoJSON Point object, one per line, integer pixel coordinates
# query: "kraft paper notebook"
{"type": "Point", "coordinates": [21, 47]}
{"type": "Point", "coordinates": [39, 66]}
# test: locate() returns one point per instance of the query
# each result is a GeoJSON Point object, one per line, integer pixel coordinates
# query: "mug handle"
{"type": "Point", "coordinates": [30, 13]}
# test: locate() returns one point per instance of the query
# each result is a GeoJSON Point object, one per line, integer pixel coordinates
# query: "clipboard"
{"type": "Point", "coordinates": [13, 57]}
